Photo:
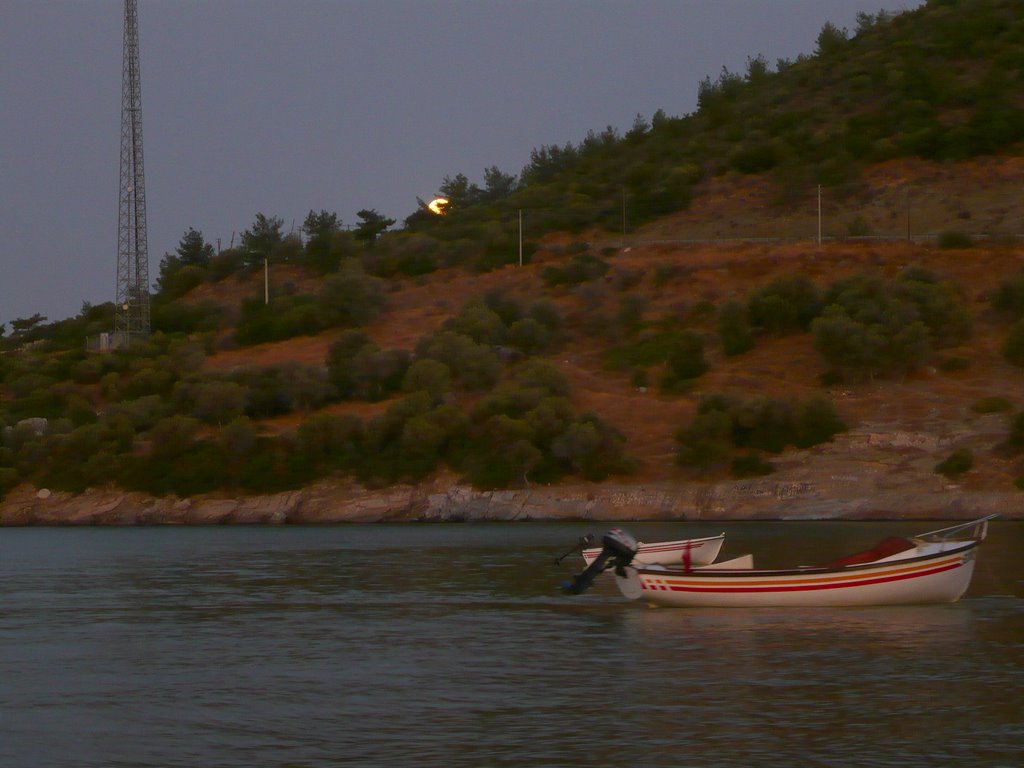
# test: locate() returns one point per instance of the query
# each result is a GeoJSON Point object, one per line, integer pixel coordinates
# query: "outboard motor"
{"type": "Point", "coordinates": [617, 551]}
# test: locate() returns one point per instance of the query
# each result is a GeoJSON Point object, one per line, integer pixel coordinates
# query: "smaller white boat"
{"type": "Point", "coordinates": [689, 553]}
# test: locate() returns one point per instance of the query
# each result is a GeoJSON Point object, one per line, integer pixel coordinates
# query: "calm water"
{"type": "Point", "coordinates": [450, 645]}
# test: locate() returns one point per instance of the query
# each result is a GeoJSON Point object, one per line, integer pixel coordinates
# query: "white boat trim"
{"type": "Point", "coordinates": [695, 552]}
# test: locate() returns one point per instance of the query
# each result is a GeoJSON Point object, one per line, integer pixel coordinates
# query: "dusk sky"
{"type": "Point", "coordinates": [282, 106]}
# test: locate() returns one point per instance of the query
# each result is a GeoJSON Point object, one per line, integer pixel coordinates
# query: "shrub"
{"type": "Point", "coordinates": [1015, 441]}
{"type": "Point", "coordinates": [1009, 297]}
{"type": "Point", "coordinates": [543, 375]}
{"type": "Point", "coordinates": [330, 442]}
{"type": "Point", "coordinates": [580, 269]}
{"type": "Point", "coordinates": [763, 423]}
{"type": "Point", "coordinates": [685, 361]}
{"type": "Point", "coordinates": [785, 304]}
{"type": "Point", "coordinates": [958, 462]}
{"type": "Point", "coordinates": [547, 314]}
{"type": "Point", "coordinates": [937, 305]}
{"type": "Point", "coordinates": [593, 448]}
{"type": "Point", "coordinates": [649, 349]}
{"type": "Point", "coordinates": [238, 438]}
{"type": "Point", "coordinates": [218, 402]}
{"type": "Point", "coordinates": [870, 326]}
{"type": "Point", "coordinates": [339, 360]}
{"type": "Point", "coordinates": [724, 423]}
{"type": "Point", "coordinates": [1013, 347]}
{"type": "Point", "coordinates": [478, 322]}
{"type": "Point", "coordinates": [816, 421]}
{"type": "Point", "coordinates": [750, 465]}
{"type": "Point", "coordinates": [755, 159]}
{"type": "Point", "coordinates": [733, 329]}
{"type": "Point", "coordinates": [375, 373]}
{"type": "Point", "coordinates": [502, 454]}
{"type": "Point", "coordinates": [952, 240]}
{"type": "Point", "coordinates": [474, 366]}
{"type": "Point", "coordinates": [351, 297]}
{"type": "Point", "coordinates": [992, 404]}
{"type": "Point", "coordinates": [430, 376]}
{"type": "Point", "coordinates": [181, 317]}
{"type": "Point", "coordinates": [283, 318]}
{"type": "Point", "coordinates": [529, 336]}
{"type": "Point", "coordinates": [631, 313]}
{"type": "Point", "coordinates": [954, 364]}
{"type": "Point", "coordinates": [226, 263]}
{"type": "Point", "coordinates": [706, 441]}
{"type": "Point", "coordinates": [8, 479]}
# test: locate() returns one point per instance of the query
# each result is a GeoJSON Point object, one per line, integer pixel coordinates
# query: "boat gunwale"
{"type": "Point", "coordinates": [653, 546]}
{"type": "Point", "coordinates": [803, 570]}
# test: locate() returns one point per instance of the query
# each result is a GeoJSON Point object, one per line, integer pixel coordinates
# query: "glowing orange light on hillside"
{"type": "Point", "coordinates": [437, 205]}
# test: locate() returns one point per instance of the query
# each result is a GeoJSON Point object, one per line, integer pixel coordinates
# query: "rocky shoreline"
{"type": "Point", "coordinates": [873, 472]}
{"type": "Point", "coordinates": [325, 503]}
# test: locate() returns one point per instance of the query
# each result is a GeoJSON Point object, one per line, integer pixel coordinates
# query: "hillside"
{"type": "Point", "coordinates": [927, 401]}
{"type": "Point", "coordinates": [781, 301]}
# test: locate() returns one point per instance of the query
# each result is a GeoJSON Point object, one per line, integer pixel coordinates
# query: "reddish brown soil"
{"type": "Point", "coordinates": [776, 366]}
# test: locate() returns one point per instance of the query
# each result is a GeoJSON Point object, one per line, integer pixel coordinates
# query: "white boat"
{"type": "Point", "coordinates": [685, 552]}
{"type": "Point", "coordinates": [933, 567]}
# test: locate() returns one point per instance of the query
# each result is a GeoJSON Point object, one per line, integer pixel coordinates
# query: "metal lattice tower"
{"type": "Point", "coordinates": [131, 317]}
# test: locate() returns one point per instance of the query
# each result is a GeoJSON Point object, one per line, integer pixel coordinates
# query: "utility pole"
{"type": "Point", "coordinates": [131, 305]}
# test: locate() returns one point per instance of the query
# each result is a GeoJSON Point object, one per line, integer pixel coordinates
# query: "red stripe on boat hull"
{"type": "Point", "coordinates": [811, 587]}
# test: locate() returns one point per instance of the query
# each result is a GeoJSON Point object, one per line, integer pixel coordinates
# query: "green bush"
{"type": "Point", "coordinates": [750, 465]}
{"type": "Point", "coordinates": [478, 322]}
{"type": "Point", "coordinates": [8, 479]}
{"type": "Point", "coordinates": [185, 317]}
{"type": "Point", "coordinates": [430, 376]}
{"type": "Point", "coordinates": [938, 306]}
{"type": "Point", "coordinates": [350, 297]}
{"type": "Point", "coordinates": [733, 329]}
{"type": "Point", "coordinates": [330, 442]}
{"type": "Point", "coordinates": [958, 462]}
{"type": "Point", "coordinates": [580, 269]}
{"type": "Point", "coordinates": [1013, 347]}
{"type": "Point", "coordinates": [473, 365]}
{"type": "Point", "coordinates": [785, 304]}
{"type": "Point", "coordinates": [649, 349]}
{"type": "Point", "coordinates": [952, 240]}
{"type": "Point", "coordinates": [870, 326]}
{"type": "Point", "coordinates": [685, 362]}
{"type": "Point", "coordinates": [992, 404]}
{"type": "Point", "coordinates": [631, 313]}
{"type": "Point", "coordinates": [1009, 297]}
{"type": "Point", "coordinates": [724, 423]}
{"type": "Point", "coordinates": [816, 421]}
{"type": "Point", "coordinates": [1015, 440]}
{"type": "Point", "coordinates": [377, 373]}
{"type": "Point", "coordinates": [529, 336]}
{"type": "Point", "coordinates": [954, 364]}
{"type": "Point", "coordinates": [339, 360]}
{"type": "Point", "coordinates": [706, 442]}
{"type": "Point", "coordinates": [283, 318]}
{"type": "Point", "coordinates": [755, 159]}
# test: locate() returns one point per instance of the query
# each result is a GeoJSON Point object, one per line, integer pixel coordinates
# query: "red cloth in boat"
{"type": "Point", "coordinates": [885, 548]}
